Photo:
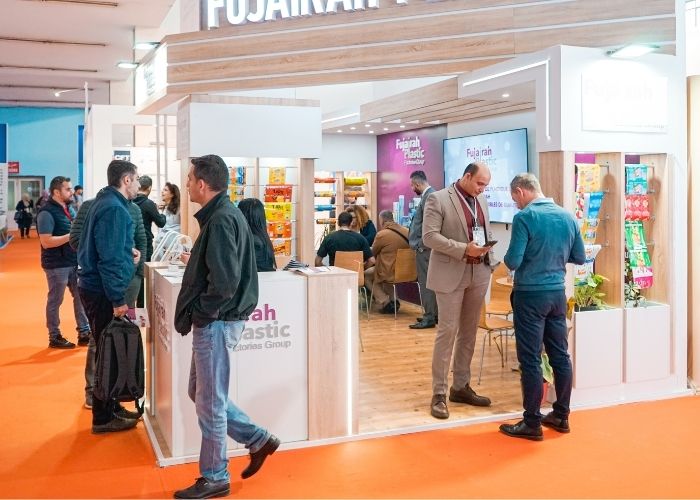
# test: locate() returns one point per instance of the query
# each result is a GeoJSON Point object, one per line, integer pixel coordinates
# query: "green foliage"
{"type": "Point", "coordinates": [547, 371]}
{"type": "Point", "coordinates": [588, 294]}
{"type": "Point", "coordinates": [633, 293]}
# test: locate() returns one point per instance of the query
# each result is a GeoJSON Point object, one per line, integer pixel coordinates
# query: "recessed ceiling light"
{"type": "Point", "coordinates": [145, 45]}
{"type": "Point", "coordinates": [353, 128]}
{"type": "Point", "coordinates": [634, 50]}
{"type": "Point", "coordinates": [385, 129]}
{"type": "Point", "coordinates": [127, 65]}
{"type": "Point", "coordinates": [127, 145]}
{"type": "Point", "coordinates": [402, 126]}
{"type": "Point", "coordinates": [340, 131]}
{"type": "Point", "coordinates": [367, 125]}
{"type": "Point", "coordinates": [371, 131]}
{"type": "Point", "coordinates": [505, 95]}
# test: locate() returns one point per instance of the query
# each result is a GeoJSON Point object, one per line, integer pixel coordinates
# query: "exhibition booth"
{"type": "Point", "coordinates": [579, 115]}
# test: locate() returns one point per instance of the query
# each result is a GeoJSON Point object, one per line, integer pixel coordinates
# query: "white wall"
{"type": "Point", "coordinates": [344, 153]}
{"type": "Point", "coordinates": [254, 130]}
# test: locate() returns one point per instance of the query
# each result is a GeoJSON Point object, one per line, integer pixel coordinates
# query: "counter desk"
{"type": "Point", "coordinates": [294, 372]}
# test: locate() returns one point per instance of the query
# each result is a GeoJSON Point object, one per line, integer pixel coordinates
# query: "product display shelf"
{"type": "Point", "coordinates": [275, 182]}
{"type": "Point", "coordinates": [325, 204]}
{"type": "Point", "coordinates": [619, 353]}
{"type": "Point", "coordinates": [357, 189]}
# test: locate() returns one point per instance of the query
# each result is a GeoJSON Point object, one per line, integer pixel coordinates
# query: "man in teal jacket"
{"type": "Point", "coordinates": [545, 238]}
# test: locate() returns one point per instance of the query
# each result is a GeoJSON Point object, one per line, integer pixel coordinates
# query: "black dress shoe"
{"type": "Point", "coordinates": [421, 318]}
{"type": "Point", "coordinates": [121, 412]}
{"type": "Point", "coordinates": [61, 343]}
{"type": "Point", "coordinates": [467, 395]}
{"type": "Point", "coordinates": [421, 325]}
{"type": "Point", "coordinates": [522, 430]}
{"type": "Point", "coordinates": [556, 423]}
{"type": "Point", "coordinates": [388, 308]}
{"type": "Point", "coordinates": [438, 407]}
{"type": "Point", "coordinates": [83, 340]}
{"type": "Point", "coordinates": [117, 424]}
{"type": "Point", "coordinates": [203, 488]}
{"type": "Point", "coordinates": [258, 458]}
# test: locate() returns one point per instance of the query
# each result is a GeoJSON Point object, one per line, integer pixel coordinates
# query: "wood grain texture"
{"type": "Point", "coordinates": [332, 299]}
{"type": "Point", "coordinates": [610, 259]}
{"type": "Point", "coordinates": [305, 212]}
{"type": "Point", "coordinates": [395, 375]}
{"type": "Point", "coordinates": [441, 93]}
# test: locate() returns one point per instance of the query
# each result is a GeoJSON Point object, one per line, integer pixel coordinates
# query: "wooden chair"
{"type": "Point", "coordinates": [492, 325]}
{"type": "Point", "coordinates": [404, 272]}
{"type": "Point", "coordinates": [353, 261]}
{"type": "Point", "coordinates": [499, 304]}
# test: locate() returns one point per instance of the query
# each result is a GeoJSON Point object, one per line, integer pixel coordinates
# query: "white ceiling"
{"type": "Point", "coordinates": [98, 34]}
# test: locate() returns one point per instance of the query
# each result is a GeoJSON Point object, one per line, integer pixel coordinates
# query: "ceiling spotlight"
{"type": "Point", "coordinates": [385, 129]}
{"type": "Point", "coordinates": [340, 131]}
{"type": "Point", "coordinates": [58, 93]}
{"type": "Point", "coordinates": [127, 65]}
{"type": "Point", "coordinates": [505, 95]}
{"type": "Point", "coordinates": [145, 45]}
{"type": "Point", "coordinates": [402, 126]}
{"type": "Point", "coordinates": [633, 50]}
{"type": "Point", "coordinates": [371, 131]}
{"type": "Point", "coordinates": [367, 125]}
{"type": "Point", "coordinates": [353, 128]}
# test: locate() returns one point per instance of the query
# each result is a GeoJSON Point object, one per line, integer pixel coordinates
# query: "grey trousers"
{"type": "Point", "coordinates": [427, 295]}
{"type": "Point", "coordinates": [459, 319]}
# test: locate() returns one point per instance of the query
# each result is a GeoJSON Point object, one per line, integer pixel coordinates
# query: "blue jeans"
{"type": "Point", "coordinates": [58, 279]}
{"type": "Point", "coordinates": [218, 416]}
{"type": "Point", "coordinates": [540, 317]}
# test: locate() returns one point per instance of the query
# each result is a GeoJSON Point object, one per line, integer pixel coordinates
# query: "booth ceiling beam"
{"type": "Point", "coordinates": [404, 41]}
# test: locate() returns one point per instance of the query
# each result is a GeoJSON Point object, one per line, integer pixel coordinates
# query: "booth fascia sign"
{"type": "Point", "coordinates": [151, 78]}
{"type": "Point", "coordinates": [256, 11]}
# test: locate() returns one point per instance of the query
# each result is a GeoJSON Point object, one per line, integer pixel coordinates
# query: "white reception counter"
{"type": "Point", "coordinates": [293, 372]}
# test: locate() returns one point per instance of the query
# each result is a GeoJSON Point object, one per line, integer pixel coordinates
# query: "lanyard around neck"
{"type": "Point", "coordinates": [474, 211]}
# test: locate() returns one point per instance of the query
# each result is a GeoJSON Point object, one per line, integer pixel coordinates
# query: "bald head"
{"type": "Point", "coordinates": [476, 178]}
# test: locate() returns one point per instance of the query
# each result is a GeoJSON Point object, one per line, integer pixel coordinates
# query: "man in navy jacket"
{"type": "Point", "coordinates": [107, 260]}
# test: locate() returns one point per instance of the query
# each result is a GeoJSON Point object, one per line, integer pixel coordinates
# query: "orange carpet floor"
{"type": "Point", "coordinates": [47, 451]}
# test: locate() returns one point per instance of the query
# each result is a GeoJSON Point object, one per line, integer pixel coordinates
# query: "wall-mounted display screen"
{"type": "Point", "coordinates": [505, 153]}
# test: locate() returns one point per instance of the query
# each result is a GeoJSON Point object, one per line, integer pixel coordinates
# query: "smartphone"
{"type": "Point", "coordinates": [489, 244]}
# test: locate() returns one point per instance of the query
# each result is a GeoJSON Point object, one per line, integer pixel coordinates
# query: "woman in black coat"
{"type": "Point", "coordinates": [24, 213]}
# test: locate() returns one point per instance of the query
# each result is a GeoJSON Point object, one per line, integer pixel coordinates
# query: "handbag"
{"type": "Point", "coordinates": [18, 216]}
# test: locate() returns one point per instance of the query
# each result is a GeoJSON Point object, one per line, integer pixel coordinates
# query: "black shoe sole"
{"type": "Point", "coordinates": [439, 415]}
{"type": "Point", "coordinates": [61, 346]}
{"type": "Point", "coordinates": [245, 474]}
{"type": "Point", "coordinates": [216, 494]}
{"type": "Point", "coordinates": [421, 327]}
{"type": "Point", "coordinates": [472, 403]}
{"type": "Point", "coordinates": [522, 436]}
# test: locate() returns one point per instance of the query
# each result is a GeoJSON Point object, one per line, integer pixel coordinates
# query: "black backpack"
{"type": "Point", "coordinates": [119, 369]}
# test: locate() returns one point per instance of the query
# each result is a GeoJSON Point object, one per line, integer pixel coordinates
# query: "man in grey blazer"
{"type": "Point", "coordinates": [420, 186]}
{"type": "Point", "coordinates": [456, 227]}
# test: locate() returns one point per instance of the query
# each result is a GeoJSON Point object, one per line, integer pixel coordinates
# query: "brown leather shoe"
{"type": "Point", "coordinates": [438, 407]}
{"type": "Point", "coordinates": [468, 396]}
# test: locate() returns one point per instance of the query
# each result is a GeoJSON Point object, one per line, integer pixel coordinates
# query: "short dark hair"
{"type": "Point", "coordinates": [419, 175]}
{"type": "Point", "coordinates": [146, 182]}
{"type": "Point", "coordinates": [212, 170]}
{"type": "Point", "coordinates": [344, 219]}
{"type": "Point", "coordinates": [77, 187]}
{"type": "Point", "coordinates": [117, 170]}
{"type": "Point", "coordinates": [57, 183]}
{"type": "Point", "coordinates": [471, 169]}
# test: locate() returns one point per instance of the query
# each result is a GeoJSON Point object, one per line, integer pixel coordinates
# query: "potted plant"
{"type": "Point", "coordinates": [547, 375]}
{"type": "Point", "coordinates": [587, 296]}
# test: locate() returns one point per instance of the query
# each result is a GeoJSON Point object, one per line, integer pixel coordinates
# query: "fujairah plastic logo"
{"type": "Point", "coordinates": [257, 11]}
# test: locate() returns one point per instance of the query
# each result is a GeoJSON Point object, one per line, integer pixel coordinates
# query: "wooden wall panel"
{"type": "Point", "coordinates": [446, 91]}
{"type": "Point", "coordinates": [389, 9]}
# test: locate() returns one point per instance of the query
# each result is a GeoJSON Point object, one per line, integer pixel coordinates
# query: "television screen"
{"type": "Point", "coordinates": [505, 153]}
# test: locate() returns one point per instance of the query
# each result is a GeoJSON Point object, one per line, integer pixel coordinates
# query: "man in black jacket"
{"type": "Point", "coordinates": [219, 291]}
{"type": "Point", "coordinates": [151, 215]}
{"type": "Point", "coordinates": [60, 262]}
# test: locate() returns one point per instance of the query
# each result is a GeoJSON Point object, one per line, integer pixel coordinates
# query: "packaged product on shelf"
{"type": "Point", "coordinates": [324, 208]}
{"type": "Point", "coordinates": [637, 207]}
{"type": "Point", "coordinates": [324, 180]}
{"type": "Point", "coordinates": [642, 273]}
{"type": "Point", "coordinates": [237, 175]}
{"type": "Point", "coordinates": [582, 272]}
{"type": "Point", "coordinates": [634, 235]}
{"type": "Point", "coordinates": [331, 220]}
{"type": "Point", "coordinates": [279, 229]}
{"type": "Point", "coordinates": [636, 179]}
{"type": "Point", "coordinates": [355, 181]}
{"type": "Point", "coordinates": [282, 247]}
{"type": "Point", "coordinates": [278, 193]}
{"type": "Point", "coordinates": [595, 200]}
{"type": "Point", "coordinates": [589, 230]}
{"type": "Point", "coordinates": [277, 175]}
{"type": "Point", "coordinates": [278, 212]}
{"type": "Point", "coordinates": [587, 177]}
{"type": "Point", "coordinates": [324, 194]}
{"type": "Point", "coordinates": [236, 193]}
